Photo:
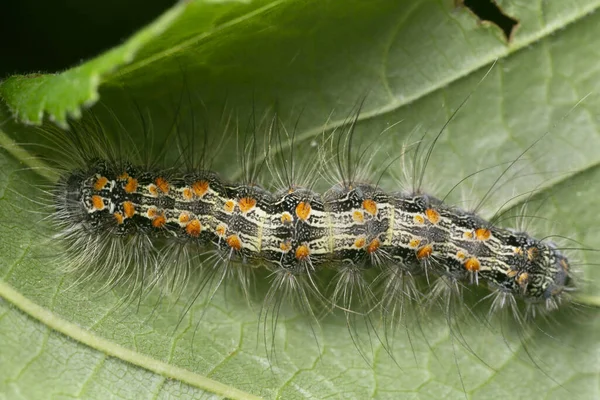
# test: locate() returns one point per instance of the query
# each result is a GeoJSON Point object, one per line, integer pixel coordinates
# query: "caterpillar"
{"type": "Point", "coordinates": [298, 231]}
{"type": "Point", "coordinates": [142, 224]}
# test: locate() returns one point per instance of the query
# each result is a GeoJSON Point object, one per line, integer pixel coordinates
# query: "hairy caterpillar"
{"type": "Point", "coordinates": [297, 231]}
{"type": "Point", "coordinates": [149, 174]}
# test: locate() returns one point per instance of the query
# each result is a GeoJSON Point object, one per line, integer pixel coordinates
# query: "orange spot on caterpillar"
{"type": "Point", "coordinates": [360, 243]}
{"type": "Point", "coordinates": [303, 210]}
{"type": "Point", "coordinates": [151, 213]}
{"type": "Point", "coordinates": [184, 218]}
{"type": "Point", "coordinates": [424, 252]}
{"type": "Point", "coordinates": [159, 221]}
{"type": "Point", "coordinates": [132, 185]}
{"type": "Point", "coordinates": [523, 279]}
{"type": "Point", "coordinates": [302, 252]}
{"type": "Point", "coordinates": [512, 273]}
{"type": "Point", "coordinates": [153, 190]}
{"type": "Point", "coordinates": [100, 183]}
{"type": "Point", "coordinates": [97, 202]}
{"type": "Point", "coordinates": [286, 218]}
{"type": "Point", "coordinates": [123, 176]}
{"type": "Point", "coordinates": [414, 243]}
{"type": "Point", "coordinates": [472, 264]}
{"type": "Point", "coordinates": [468, 235]}
{"type": "Point", "coordinates": [370, 206]}
{"type": "Point", "coordinates": [246, 204]}
{"type": "Point", "coordinates": [234, 242]}
{"type": "Point", "coordinates": [419, 219]}
{"type": "Point", "coordinates": [187, 193]}
{"type": "Point", "coordinates": [532, 253]}
{"type": "Point", "coordinates": [229, 206]}
{"type": "Point", "coordinates": [285, 246]}
{"type": "Point", "coordinates": [358, 216]}
{"type": "Point", "coordinates": [432, 215]}
{"type": "Point", "coordinates": [118, 217]}
{"type": "Point", "coordinates": [162, 184]}
{"type": "Point", "coordinates": [373, 246]}
{"type": "Point", "coordinates": [194, 228]}
{"type": "Point", "coordinates": [460, 255]}
{"type": "Point", "coordinates": [221, 230]}
{"type": "Point", "coordinates": [483, 234]}
{"type": "Point", "coordinates": [519, 251]}
{"type": "Point", "coordinates": [200, 188]}
{"type": "Point", "coordinates": [128, 209]}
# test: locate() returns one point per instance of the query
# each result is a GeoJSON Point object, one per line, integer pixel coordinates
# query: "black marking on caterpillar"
{"type": "Point", "coordinates": [150, 218]}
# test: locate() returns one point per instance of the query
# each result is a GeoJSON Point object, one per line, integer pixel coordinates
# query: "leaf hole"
{"type": "Point", "coordinates": [489, 11]}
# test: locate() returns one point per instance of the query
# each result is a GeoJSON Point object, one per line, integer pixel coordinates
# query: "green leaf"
{"type": "Point", "coordinates": [30, 97]}
{"type": "Point", "coordinates": [416, 61]}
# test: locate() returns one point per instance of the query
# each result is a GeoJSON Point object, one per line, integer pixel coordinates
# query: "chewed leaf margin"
{"type": "Point", "coordinates": [30, 97]}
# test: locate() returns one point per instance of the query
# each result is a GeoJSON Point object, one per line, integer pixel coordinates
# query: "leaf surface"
{"type": "Point", "coordinates": [415, 61]}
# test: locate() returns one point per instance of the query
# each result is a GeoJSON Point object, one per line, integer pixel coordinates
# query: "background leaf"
{"type": "Point", "coordinates": [416, 62]}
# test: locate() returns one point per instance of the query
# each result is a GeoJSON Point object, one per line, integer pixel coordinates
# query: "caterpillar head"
{"type": "Point", "coordinates": [68, 199]}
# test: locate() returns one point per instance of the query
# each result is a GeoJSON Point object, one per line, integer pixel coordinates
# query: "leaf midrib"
{"type": "Point", "coordinates": [111, 349]}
